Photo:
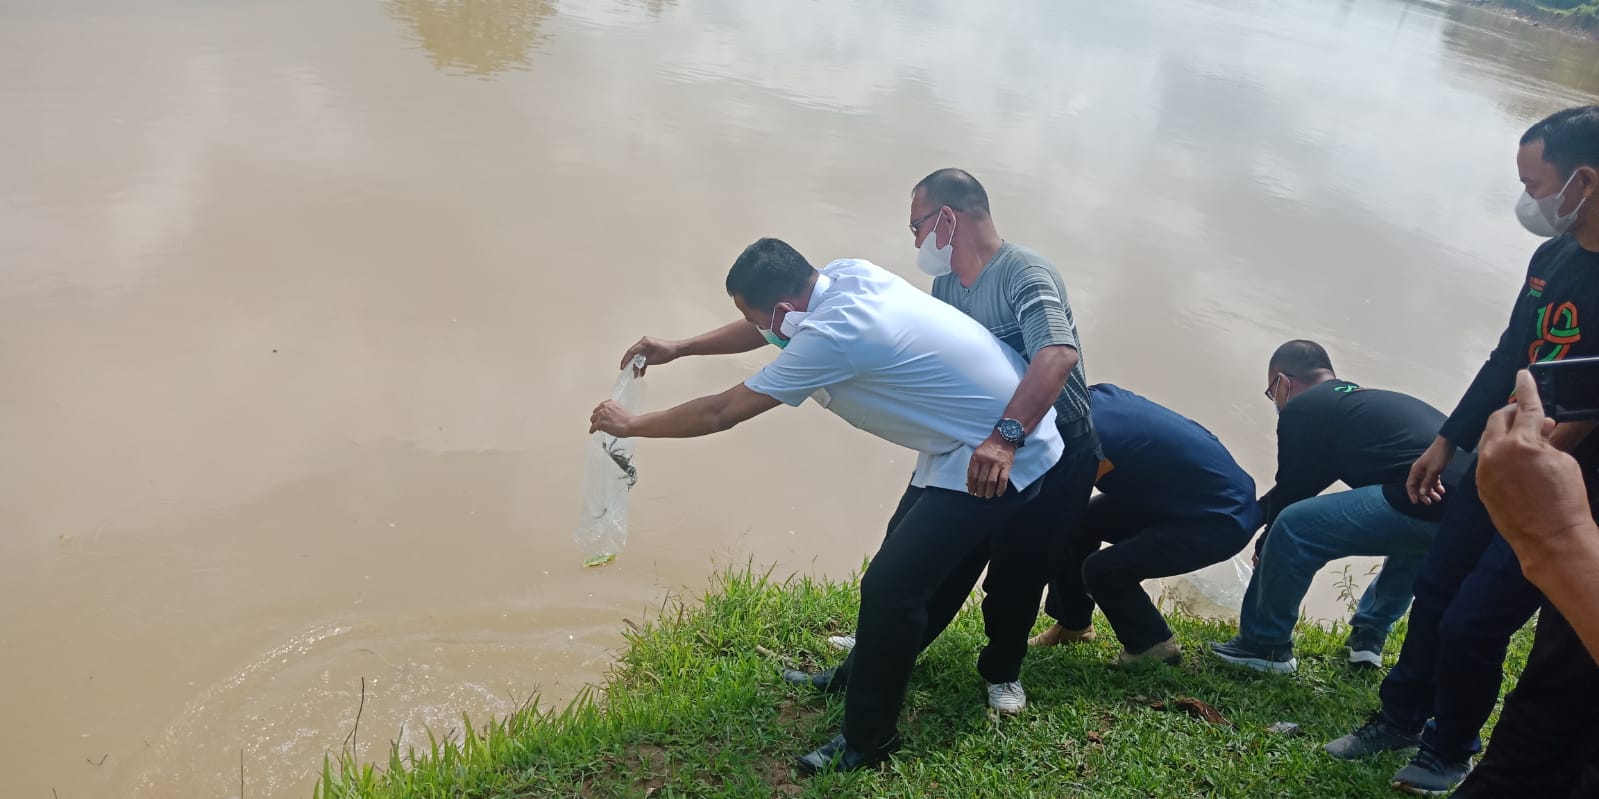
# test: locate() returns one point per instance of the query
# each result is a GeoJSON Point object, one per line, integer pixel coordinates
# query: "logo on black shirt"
{"type": "Point", "coordinates": [1557, 331]}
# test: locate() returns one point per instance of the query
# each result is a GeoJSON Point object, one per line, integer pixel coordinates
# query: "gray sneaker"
{"type": "Point", "coordinates": [1427, 774]}
{"type": "Point", "coordinates": [1365, 647]}
{"type": "Point", "coordinates": [1238, 651]}
{"type": "Point", "coordinates": [1007, 698]}
{"type": "Point", "coordinates": [1376, 736]}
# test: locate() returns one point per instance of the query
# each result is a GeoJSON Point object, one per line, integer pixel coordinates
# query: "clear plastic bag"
{"type": "Point", "coordinates": [1214, 592]}
{"type": "Point", "coordinates": [608, 476]}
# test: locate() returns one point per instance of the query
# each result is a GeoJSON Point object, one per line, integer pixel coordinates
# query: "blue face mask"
{"type": "Point", "coordinates": [772, 339]}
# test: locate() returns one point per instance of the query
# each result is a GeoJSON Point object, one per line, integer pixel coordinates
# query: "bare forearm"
{"type": "Point", "coordinates": [1569, 575]}
{"type": "Point", "coordinates": [729, 339]}
{"type": "Point", "coordinates": [1041, 385]}
{"type": "Point", "coordinates": [692, 419]}
{"type": "Point", "coordinates": [700, 417]}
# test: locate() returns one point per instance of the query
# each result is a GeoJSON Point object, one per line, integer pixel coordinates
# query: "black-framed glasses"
{"type": "Point", "coordinates": [916, 224]}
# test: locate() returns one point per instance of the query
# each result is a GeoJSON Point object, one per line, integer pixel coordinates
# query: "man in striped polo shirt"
{"type": "Point", "coordinates": [1020, 297]}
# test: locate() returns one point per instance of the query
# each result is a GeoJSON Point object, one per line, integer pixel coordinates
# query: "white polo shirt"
{"type": "Point", "coordinates": [905, 367]}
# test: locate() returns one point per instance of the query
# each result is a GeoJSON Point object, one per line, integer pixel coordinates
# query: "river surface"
{"type": "Point", "coordinates": [304, 304]}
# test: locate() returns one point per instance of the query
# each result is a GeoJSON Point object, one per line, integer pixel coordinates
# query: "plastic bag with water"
{"type": "Point", "coordinates": [608, 476]}
{"type": "Point", "coordinates": [1214, 592]}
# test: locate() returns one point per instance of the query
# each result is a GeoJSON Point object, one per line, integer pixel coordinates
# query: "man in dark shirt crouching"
{"type": "Point", "coordinates": [1330, 430]}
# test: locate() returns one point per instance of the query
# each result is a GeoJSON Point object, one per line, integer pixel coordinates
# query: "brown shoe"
{"type": "Point", "coordinates": [1060, 636]}
{"type": "Point", "coordinates": [1166, 651]}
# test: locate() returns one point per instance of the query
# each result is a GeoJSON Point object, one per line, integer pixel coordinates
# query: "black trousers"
{"type": "Point", "coordinates": [1144, 546]}
{"type": "Point", "coordinates": [1547, 741]}
{"type": "Point", "coordinates": [938, 543]}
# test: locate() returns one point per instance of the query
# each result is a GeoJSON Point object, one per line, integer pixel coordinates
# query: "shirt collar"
{"type": "Point", "coordinates": [823, 283]}
{"type": "Point", "coordinates": [792, 320]}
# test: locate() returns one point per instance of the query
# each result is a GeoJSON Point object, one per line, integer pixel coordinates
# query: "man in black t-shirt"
{"type": "Point", "coordinates": [1470, 593]}
{"type": "Point", "coordinates": [1332, 430]}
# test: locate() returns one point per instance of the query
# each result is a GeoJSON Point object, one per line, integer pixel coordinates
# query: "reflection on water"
{"type": "Point", "coordinates": [480, 37]}
{"type": "Point", "coordinates": [299, 330]}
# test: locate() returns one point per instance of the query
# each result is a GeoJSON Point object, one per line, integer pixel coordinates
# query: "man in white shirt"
{"type": "Point", "coordinates": [901, 365]}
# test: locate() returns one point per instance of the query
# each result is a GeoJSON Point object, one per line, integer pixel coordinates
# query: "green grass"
{"type": "Point", "coordinates": [693, 710]}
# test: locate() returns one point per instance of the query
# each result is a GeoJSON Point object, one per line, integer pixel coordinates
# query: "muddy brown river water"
{"type": "Point", "coordinates": [303, 306]}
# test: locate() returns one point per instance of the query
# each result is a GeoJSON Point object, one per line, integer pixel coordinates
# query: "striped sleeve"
{"type": "Point", "coordinates": [1039, 301]}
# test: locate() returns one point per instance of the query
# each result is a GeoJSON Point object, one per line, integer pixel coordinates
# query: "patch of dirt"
{"type": "Point", "coordinates": [790, 713]}
{"type": "Point", "coordinates": [647, 760]}
{"type": "Point", "coordinates": [779, 774]}
{"type": "Point", "coordinates": [650, 756]}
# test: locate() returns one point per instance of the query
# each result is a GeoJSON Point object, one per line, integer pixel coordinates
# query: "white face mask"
{"type": "Point", "coordinates": [1541, 217]}
{"type": "Point", "coordinates": [932, 260]}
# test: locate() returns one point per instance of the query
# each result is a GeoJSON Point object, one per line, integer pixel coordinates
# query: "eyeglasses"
{"type": "Point", "coordinates": [1271, 390]}
{"type": "Point", "coordinates": [916, 224]}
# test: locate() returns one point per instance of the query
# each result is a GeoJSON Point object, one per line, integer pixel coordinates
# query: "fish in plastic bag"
{"type": "Point", "coordinates": [608, 476]}
{"type": "Point", "coordinates": [1214, 592]}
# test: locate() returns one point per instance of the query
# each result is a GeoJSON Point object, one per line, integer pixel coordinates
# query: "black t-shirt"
{"type": "Point", "coordinates": [1545, 325]}
{"type": "Point", "coordinates": [1364, 437]}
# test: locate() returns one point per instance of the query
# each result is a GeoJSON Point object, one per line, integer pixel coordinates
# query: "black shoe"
{"type": "Point", "coordinates": [1365, 647]}
{"type": "Point", "coordinates": [825, 681]}
{"type": "Point", "coordinates": [838, 755]}
{"type": "Point", "coordinates": [1428, 774]}
{"type": "Point", "coordinates": [1376, 736]}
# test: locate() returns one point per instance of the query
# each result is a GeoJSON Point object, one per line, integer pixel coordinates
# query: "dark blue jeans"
{"type": "Point", "coordinates": [1311, 532]}
{"type": "Point", "coordinates": [1470, 599]}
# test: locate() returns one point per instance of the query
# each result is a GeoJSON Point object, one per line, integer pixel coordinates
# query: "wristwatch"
{"type": "Point", "coordinates": [1012, 431]}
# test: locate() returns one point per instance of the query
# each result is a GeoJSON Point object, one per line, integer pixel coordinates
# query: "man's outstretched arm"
{"type": "Point", "coordinates": [729, 339]}
{"type": "Point", "coordinates": [698, 417]}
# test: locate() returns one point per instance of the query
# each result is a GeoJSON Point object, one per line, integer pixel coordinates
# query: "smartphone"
{"type": "Point", "coordinates": [1569, 389]}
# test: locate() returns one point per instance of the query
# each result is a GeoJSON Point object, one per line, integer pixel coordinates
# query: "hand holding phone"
{"type": "Point", "coordinates": [1569, 389]}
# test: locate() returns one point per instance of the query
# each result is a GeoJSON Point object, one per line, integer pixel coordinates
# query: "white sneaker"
{"type": "Point", "coordinates": [1006, 697]}
{"type": "Point", "coordinates": [844, 642]}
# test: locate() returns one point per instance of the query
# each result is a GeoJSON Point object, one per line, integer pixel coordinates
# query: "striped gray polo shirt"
{"type": "Point", "coordinates": [1021, 299]}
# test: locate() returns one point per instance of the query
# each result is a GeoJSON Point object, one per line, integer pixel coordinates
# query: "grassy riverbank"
{"type": "Point", "coordinates": [693, 708]}
{"type": "Point", "coordinates": [1576, 15]}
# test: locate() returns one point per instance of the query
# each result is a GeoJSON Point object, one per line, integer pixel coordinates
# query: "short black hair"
{"type": "Point", "coordinates": [768, 271]}
{"type": "Point", "coordinates": [1301, 358]}
{"type": "Point", "coordinates": [957, 189]}
{"type": "Point", "coordinates": [1570, 138]}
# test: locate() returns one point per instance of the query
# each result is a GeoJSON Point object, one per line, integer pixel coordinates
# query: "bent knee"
{"type": "Point", "coordinates": [1101, 572]}
{"type": "Point", "coordinates": [1294, 520]}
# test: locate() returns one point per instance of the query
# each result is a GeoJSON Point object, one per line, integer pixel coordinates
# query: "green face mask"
{"type": "Point", "coordinates": [771, 337]}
